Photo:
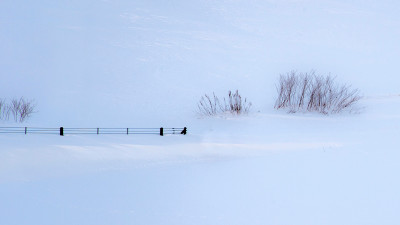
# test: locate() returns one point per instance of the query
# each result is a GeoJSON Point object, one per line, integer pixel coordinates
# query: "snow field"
{"type": "Point", "coordinates": [232, 170]}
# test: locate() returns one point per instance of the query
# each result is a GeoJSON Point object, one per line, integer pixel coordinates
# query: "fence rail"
{"type": "Point", "coordinates": [74, 131]}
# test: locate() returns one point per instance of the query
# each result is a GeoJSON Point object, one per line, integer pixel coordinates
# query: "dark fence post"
{"type": "Point", "coordinates": [161, 131]}
{"type": "Point", "coordinates": [184, 131]}
{"type": "Point", "coordinates": [98, 131]}
{"type": "Point", "coordinates": [26, 130]}
{"type": "Point", "coordinates": [61, 131]}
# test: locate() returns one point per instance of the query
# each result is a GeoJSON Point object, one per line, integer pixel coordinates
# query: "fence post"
{"type": "Point", "coordinates": [61, 131]}
{"type": "Point", "coordinates": [98, 131]}
{"type": "Point", "coordinates": [127, 131]}
{"type": "Point", "coordinates": [184, 131]}
{"type": "Point", "coordinates": [26, 130]}
{"type": "Point", "coordinates": [161, 131]}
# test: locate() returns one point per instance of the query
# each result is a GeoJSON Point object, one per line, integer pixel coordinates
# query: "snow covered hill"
{"type": "Point", "coordinates": [147, 63]}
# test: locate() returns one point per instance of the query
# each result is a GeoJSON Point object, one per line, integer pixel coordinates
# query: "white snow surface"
{"type": "Point", "coordinates": [120, 63]}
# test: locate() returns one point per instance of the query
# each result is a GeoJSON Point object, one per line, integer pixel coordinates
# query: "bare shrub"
{"type": "Point", "coordinates": [4, 110]}
{"type": "Point", "coordinates": [26, 109]}
{"type": "Point", "coordinates": [15, 108]}
{"type": "Point", "coordinates": [21, 109]}
{"type": "Point", "coordinates": [311, 92]}
{"type": "Point", "coordinates": [209, 106]}
{"type": "Point", "coordinates": [234, 104]}
{"type": "Point", "coordinates": [2, 105]}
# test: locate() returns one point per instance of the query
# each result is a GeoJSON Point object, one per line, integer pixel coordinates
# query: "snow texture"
{"type": "Point", "coordinates": [143, 63]}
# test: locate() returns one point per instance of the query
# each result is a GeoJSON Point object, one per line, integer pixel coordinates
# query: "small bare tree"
{"type": "Point", "coordinates": [234, 104]}
{"type": "Point", "coordinates": [311, 92]}
{"type": "Point", "coordinates": [26, 109]}
{"type": "Point", "coordinates": [21, 109]}
{"type": "Point", "coordinates": [15, 108]}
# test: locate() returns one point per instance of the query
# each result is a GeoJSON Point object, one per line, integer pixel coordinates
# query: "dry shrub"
{"type": "Point", "coordinates": [20, 109]}
{"type": "Point", "coordinates": [25, 110]}
{"type": "Point", "coordinates": [208, 106]}
{"type": "Point", "coordinates": [311, 92]}
{"type": "Point", "coordinates": [233, 104]}
{"type": "Point", "coordinates": [4, 110]}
